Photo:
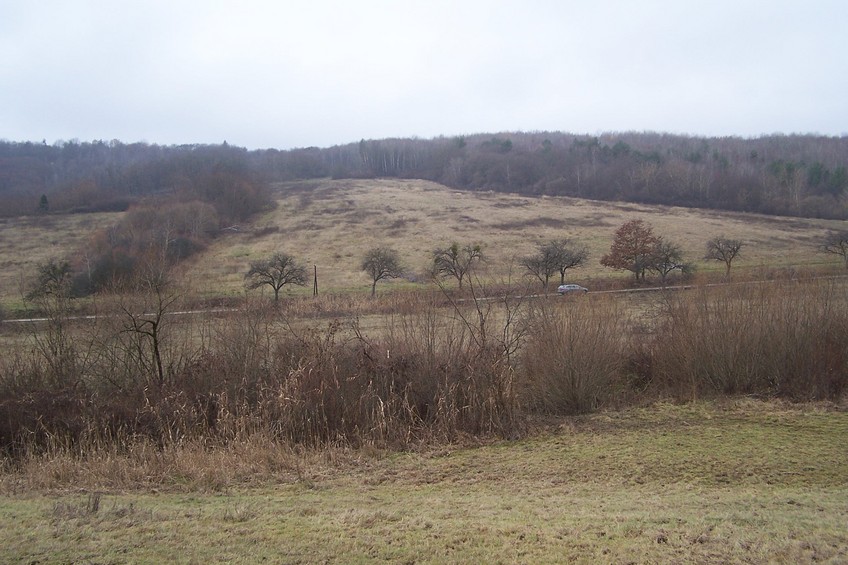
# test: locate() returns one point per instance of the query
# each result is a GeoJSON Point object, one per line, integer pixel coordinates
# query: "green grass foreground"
{"type": "Point", "coordinates": [730, 481]}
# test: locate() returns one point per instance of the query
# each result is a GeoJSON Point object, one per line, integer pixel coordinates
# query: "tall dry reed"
{"type": "Point", "coordinates": [785, 339]}
{"type": "Point", "coordinates": [437, 369]}
{"type": "Point", "coordinates": [575, 356]}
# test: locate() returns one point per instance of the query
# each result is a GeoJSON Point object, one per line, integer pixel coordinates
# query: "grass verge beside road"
{"type": "Point", "coordinates": [727, 481]}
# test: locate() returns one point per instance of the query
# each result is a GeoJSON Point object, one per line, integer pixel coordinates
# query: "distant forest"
{"type": "Point", "coordinates": [798, 175]}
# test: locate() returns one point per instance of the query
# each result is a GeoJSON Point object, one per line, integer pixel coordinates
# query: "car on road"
{"type": "Point", "coordinates": [569, 288]}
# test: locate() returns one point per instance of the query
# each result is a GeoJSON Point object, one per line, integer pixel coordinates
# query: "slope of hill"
{"type": "Point", "coordinates": [331, 223]}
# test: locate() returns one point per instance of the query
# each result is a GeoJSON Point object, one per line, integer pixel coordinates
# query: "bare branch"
{"type": "Point", "coordinates": [837, 244]}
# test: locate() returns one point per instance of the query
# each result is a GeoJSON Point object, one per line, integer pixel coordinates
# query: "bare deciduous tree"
{"type": "Point", "coordinates": [723, 249]}
{"type": "Point", "coordinates": [381, 263]}
{"type": "Point", "coordinates": [276, 272]}
{"type": "Point", "coordinates": [837, 243]}
{"type": "Point", "coordinates": [556, 256]}
{"type": "Point", "coordinates": [541, 266]}
{"type": "Point", "coordinates": [668, 257]}
{"type": "Point", "coordinates": [567, 256]}
{"type": "Point", "coordinates": [456, 261]}
{"type": "Point", "coordinates": [153, 297]}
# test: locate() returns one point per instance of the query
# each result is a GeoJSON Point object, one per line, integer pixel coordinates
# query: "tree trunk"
{"type": "Point", "coordinates": [157, 356]}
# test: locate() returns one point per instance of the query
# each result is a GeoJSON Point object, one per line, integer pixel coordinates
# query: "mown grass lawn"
{"type": "Point", "coordinates": [741, 481]}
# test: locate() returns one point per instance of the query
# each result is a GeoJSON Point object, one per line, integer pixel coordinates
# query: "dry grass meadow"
{"type": "Point", "coordinates": [330, 224]}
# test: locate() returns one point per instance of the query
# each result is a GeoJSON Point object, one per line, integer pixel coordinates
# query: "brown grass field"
{"type": "Point", "coordinates": [330, 223]}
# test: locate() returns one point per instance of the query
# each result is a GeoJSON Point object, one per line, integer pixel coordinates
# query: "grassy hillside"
{"type": "Point", "coordinates": [331, 223]}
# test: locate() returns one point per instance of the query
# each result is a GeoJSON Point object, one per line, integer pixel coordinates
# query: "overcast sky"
{"type": "Point", "coordinates": [304, 73]}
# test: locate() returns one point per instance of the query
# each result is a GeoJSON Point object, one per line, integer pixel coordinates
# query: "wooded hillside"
{"type": "Point", "coordinates": [778, 174]}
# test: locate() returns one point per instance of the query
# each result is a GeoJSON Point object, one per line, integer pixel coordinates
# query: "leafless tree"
{"type": "Point", "coordinates": [837, 243]}
{"type": "Point", "coordinates": [540, 266]}
{"type": "Point", "coordinates": [668, 257]}
{"type": "Point", "coordinates": [455, 261]}
{"type": "Point", "coordinates": [381, 263]}
{"type": "Point", "coordinates": [567, 255]}
{"type": "Point", "coordinates": [276, 272]}
{"type": "Point", "coordinates": [723, 249]}
{"type": "Point", "coordinates": [145, 309]}
{"type": "Point", "coordinates": [555, 256]}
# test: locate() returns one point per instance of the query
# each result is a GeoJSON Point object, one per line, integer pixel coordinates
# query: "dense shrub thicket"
{"type": "Point", "coordinates": [433, 372]}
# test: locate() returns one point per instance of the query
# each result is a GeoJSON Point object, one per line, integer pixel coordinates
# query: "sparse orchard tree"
{"type": "Point", "coordinates": [567, 256]}
{"type": "Point", "coordinates": [456, 261]}
{"type": "Point", "coordinates": [556, 256]}
{"type": "Point", "coordinates": [668, 257]}
{"type": "Point", "coordinates": [836, 243]}
{"type": "Point", "coordinates": [381, 263]}
{"type": "Point", "coordinates": [632, 248]}
{"type": "Point", "coordinates": [540, 265]}
{"type": "Point", "coordinates": [723, 249]}
{"type": "Point", "coordinates": [276, 272]}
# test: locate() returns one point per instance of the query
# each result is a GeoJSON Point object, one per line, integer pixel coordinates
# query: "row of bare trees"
{"type": "Point", "coordinates": [635, 248]}
{"type": "Point", "coordinates": [380, 263]}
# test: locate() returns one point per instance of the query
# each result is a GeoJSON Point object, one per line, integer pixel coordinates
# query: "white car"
{"type": "Point", "coordinates": [569, 288]}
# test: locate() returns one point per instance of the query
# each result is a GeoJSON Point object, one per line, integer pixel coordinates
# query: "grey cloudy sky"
{"type": "Point", "coordinates": [319, 73]}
